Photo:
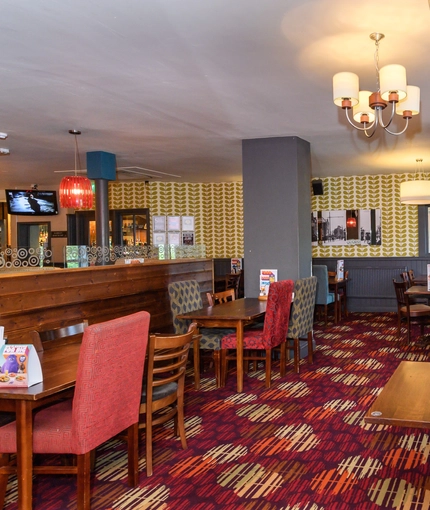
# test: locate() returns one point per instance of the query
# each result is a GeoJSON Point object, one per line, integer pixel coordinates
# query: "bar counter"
{"type": "Point", "coordinates": [46, 299]}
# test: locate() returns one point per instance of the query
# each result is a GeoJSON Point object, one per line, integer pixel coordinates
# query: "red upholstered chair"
{"type": "Point", "coordinates": [106, 402]}
{"type": "Point", "coordinates": [274, 332]}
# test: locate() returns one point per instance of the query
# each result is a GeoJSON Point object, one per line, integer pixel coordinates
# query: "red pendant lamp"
{"type": "Point", "coordinates": [351, 222]}
{"type": "Point", "coordinates": [76, 191]}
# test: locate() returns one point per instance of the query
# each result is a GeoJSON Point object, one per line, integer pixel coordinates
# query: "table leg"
{"type": "Point", "coordinates": [24, 427]}
{"type": "Point", "coordinates": [239, 355]}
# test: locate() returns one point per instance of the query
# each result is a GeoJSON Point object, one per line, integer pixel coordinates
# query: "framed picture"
{"type": "Point", "coordinates": [188, 223]}
{"type": "Point", "coordinates": [173, 223]}
{"type": "Point", "coordinates": [188, 238]}
{"type": "Point", "coordinates": [159, 238]}
{"type": "Point", "coordinates": [174, 238]}
{"type": "Point", "coordinates": [159, 223]}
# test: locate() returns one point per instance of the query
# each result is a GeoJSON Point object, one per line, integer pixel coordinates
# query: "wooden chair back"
{"type": "Point", "coordinates": [48, 339]}
{"type": "Point", "coordinates": [232, 281]}
{"type": "Point", "coordinates": [400, 288]}
{"type": "Point", "coordinates": [164, 385]}
{"type": "Point", "coordinates": [411, 275]}
{"type": "Point", "coordinates": [221, 297]}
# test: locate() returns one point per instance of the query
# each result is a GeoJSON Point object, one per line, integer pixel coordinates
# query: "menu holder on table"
{"type": "Point", "coordinates": [340, 270]}
{"type": "Point", "coordinates": [428, 276]}
{"type": "Point", "coordinates": [20, 366]}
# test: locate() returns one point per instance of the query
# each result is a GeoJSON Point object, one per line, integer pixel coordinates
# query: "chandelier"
{"type": "Point", "coordinates": [367, 107]}
{"type": "Point", "coordinates": [76, 191]}
{"type": "Point", "coordinates": [417, 191]}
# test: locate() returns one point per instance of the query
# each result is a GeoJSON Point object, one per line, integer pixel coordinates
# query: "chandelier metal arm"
{"type": "Point", "coordinates": [365, 129]}
{"type": "Point", "coordinates": [400, 132]}
{"type": "Point", "coordinates": [378, 112]}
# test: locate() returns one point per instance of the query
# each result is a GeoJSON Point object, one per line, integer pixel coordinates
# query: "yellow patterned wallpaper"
{"type": "Point", "coordinates": [217, 209]}
{"type": "Point", "coordinates": [399, 232]}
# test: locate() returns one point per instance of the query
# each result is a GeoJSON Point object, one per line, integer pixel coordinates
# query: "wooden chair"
{"type": "Point", "coordinates": [419, 313]}
{"type": "Point", "coordinates": [411, 276]}
{"type": "Point", "coordinates": [167, 360]}
{"type": "Point", "coordinates": [274, 332]}
{"type": "Point", "coordinates": [221, 297]}
{"type": "Point", "coordinates": [232, 281]}
{"type": "Point", "coordinates": [106, 402]}
{"type": "Point", "coordinates": [59, 336]}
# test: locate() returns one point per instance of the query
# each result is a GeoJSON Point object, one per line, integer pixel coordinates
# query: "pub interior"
{"type": "Point", "coordinates": [203, 198]}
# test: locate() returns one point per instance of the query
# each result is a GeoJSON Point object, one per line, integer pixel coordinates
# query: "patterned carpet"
{"type": "Point", "coordinates": [301, 445]}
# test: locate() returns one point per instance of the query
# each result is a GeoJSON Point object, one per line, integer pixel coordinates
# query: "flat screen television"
{"type": "Point", "coordinates": [31, 202]}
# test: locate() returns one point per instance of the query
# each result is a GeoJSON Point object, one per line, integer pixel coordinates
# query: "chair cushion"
{"type": "Point", "coordinates": [159, 392]}
{"type": "Point", "coordinates": [211, 337]}
{"type": "Point", "coordinates": [252, 339]}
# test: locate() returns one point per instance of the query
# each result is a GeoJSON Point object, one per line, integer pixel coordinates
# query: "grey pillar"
{"type": "Point", "coordinates": [277, 208]}
{"type": "Point", "coordinates": [102, 220]}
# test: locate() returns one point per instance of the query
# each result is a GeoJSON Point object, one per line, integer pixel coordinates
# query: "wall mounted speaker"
{"type": "Point", "coordinates": [317, 187]}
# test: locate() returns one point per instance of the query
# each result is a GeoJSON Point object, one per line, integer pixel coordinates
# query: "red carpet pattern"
{"type": "Point", "coordinates": [300, 445]}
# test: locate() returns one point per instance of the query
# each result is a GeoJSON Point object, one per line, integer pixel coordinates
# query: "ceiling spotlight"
{"type": "Point", "coordinates": [367, 107]}
{"type": "Point", "coordinates": [4, 152]}
{"type": "Point", "coordinates": [3, 136]}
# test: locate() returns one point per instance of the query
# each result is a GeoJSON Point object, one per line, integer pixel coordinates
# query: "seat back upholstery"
{"type": "Point", "coordinates": [184, 297]}
{"type": "Point", "coordinates": [322, 293]}
{"type": "Point", "coordinates": [303, 307]}
{"type": "Point", "coordinates": [109, 379]}
{"type": "Point", "coordinates": [277, 313]}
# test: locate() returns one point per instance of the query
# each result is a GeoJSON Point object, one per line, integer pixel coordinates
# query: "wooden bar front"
{"type": "Point", "coordinates": [49, 299]}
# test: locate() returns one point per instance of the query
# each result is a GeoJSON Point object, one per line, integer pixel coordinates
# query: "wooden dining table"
{"type": "Point", "coordinates": [233, 314]}
{"type": "Point", "coordinates": [403, 401]}
{"type": "Point", "coordinates": [59, 366]}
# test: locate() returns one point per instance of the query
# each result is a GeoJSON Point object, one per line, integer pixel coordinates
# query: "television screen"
{"type": "Point", "coordinates": [31, 202]}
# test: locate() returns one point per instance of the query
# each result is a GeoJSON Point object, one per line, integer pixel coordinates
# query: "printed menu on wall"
{"type": "Point", "coordinates": [20, 366]}
{"type": "Point", "coordinates": [340, 269]}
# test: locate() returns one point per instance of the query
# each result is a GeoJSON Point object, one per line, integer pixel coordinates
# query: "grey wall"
{"type": "Point", "coordinates": [277, 208]}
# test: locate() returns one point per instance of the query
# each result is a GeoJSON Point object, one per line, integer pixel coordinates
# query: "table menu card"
{"type": "Point", "coordinates": [340, 269]}
{"type": "Point", "coordinates": [267, 276]}
{"type": "Point", "coordinates": [20, 366]}
{"type": "Point", "coordinates": [428, 276]}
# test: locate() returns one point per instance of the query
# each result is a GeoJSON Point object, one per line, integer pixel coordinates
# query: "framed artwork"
{"type": "Point", "coordinates": [174, 238]}
{"type": "Point", "coordinates": [188, 238]}
{"type": "Point", "coordinates": [173, 223]}
{"type": "Point", "coordinates": [188, 223]}
{"type": "Point", "coordinates": [159, 223]}
{"type": "Point", "coordinates": [159, 238]}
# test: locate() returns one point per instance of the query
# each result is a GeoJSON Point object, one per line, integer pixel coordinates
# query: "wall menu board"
{"type": "Point", "coordinates": [173, 230]}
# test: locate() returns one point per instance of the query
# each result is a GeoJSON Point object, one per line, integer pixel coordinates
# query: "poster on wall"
{"type": "Point", "coordinates": [174, 238]}
{"type": "Point", "coordinates": [188, 223]}
{"type": "Point", "coordinates": [159, 238]}
{"type": "Point", "coordinates": [159, 223]}
{"type": "Point", "coordinates": [188, 238]}
{"type": "Point", "coordinates": [173, 223]}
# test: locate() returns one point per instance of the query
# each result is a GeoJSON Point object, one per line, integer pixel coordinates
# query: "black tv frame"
{"type": "Point", "coordinates": [33, 202]}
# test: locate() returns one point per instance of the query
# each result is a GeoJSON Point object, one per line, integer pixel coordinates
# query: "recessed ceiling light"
{"type": "Point", "coordinates": [3, 136]}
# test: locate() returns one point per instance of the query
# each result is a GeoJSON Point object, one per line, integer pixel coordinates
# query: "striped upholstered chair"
{"type": "Point", "coordinates": [185, 297]}
{"type": "Point", "coordinates": [302, 318]}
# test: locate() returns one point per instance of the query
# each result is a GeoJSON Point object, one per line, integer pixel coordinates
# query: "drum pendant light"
{"type": "Point", "coordinates": [76, 191]}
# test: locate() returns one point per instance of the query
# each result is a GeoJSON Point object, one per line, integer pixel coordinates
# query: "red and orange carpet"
{"type": "Point", "coordinates": [301, 445]}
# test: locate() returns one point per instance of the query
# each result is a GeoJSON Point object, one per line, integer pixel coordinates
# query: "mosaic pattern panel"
{"type": "Point", "coordinates": [399, 222]}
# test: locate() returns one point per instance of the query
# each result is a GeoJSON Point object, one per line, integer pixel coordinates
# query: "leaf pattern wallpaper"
{"type": "Point", "coordinates": [218, 211]}
{"type": "Point", "coordinates": [399, 223]}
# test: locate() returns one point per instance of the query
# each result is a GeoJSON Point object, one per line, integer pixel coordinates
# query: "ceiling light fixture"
{"type": "Point", "coordinates": [367, 107]}
{"type": "Point", "coordinates": [351, 221]}
{"type": "Point", "coordinates": [417, 191]}
{"type": "Point", "coordinates": [76, 191]}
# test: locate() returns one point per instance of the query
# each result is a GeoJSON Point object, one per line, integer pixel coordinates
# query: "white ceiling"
{"type": "Point", "coordinates": [175, 85]}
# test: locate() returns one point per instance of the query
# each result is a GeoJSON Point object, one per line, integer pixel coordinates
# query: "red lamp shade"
{"type": "Point", "coordinates": [76, 192]}
{"type": "Point", "coordinates": [351, 222]}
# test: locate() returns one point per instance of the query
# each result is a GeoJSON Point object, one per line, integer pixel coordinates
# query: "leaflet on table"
{"type": "Point", "coordinates": [340, 266]}
{"type": "Point", "coordinates": [428, 276]}
{"type": "Point", "coordinates": [267, 276]}
{"type": "Point", "coordinates": [20, 366]}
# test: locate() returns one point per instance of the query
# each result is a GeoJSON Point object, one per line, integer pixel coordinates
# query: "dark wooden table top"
{"type": "Point", "coordinates": [59, 367]}
{"type": "Point", "coordinates": [240, 309]}
{"type": "Point", "coordinates": [417, 289]}
{"type": "Point", "coordinates": [404, 400]}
